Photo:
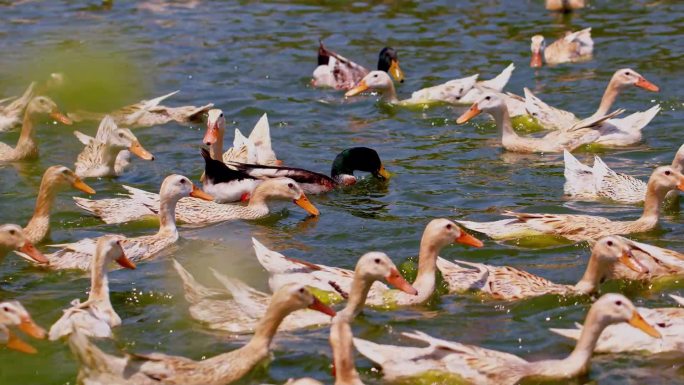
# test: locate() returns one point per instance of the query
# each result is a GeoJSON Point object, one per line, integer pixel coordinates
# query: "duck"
{"type": "Point", "coordinates": [456, 91]}
{"type": "Point", "coordinates": [238, 309]}
{"type": "Point", "coordinates": [574, 46]}
{"type": "Point", "coordinates": [12, 237]}
{"type": "Point", "coordinates": [601, 182]}
{"type": "Point", "coordinates": [342, 344]}
{"type": "Point", "coordinates": [147, 113]}
{"type": "Point", "coordinates": [614, 131]}
{"type": "Point", "coordinates": [13, 313]}
{"type": "Point", "coordinates": [101, 155]}
{"type": "Point", "coordinates": [256, 148]}
{"type": "Point", "coordinates": [340, 73]}
{"type": "Point", "coordinates": [224, 183]}
{"type": "Point", "coordinates": [438, 234]}
{"type": "Point", "coordinates": [95, 317]}
{"type": "Point", "coordinates": [342, 173]}
{"type": "Point", "coordinates": [78, 255]}
{"type": "Point", "coordinates": [565, 6]}
{"type": "Point", "coordinates": [668, 322]}
{"type": "Point", "coordinates": [141, 204]}
{"type": "Point", "coordinates": [508, 283]}
{"type": "Point", "coordinates": [54, 178]}
{"type": "Point", "coordinates": [657, 261]}
{"type": "Point", "coordinates": [27, 148]}
{"type": "Point", "coordinates": [12, 109]}
{"type": "Point", "coordinates": [555, 141]}
{"type": "Point", "coordinates": [97, 367]}
{"type": "Point", "coordinates": [478, 365]}
{"type": "Point", "coordinates": [586, 227]}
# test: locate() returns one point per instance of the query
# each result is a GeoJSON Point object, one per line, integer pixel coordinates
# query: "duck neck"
{"type": "Point", "coordinates": [592, 276]}
{"type": "Point", "coordinates": [652, 203]}
{"type": "Point", "coordinates": [167, 216]}
{"type": "Point", "coordinates": [99, 284]}
{"type": "Point", "coordinates": [357, 297]}
{"type": "Point", "coordinates": [109, 155]}
{"type": "Point", "coordinates": [41, 214]}
{"type": "Point", "coordinates": [26, 145]}
{"type": "Point", "coordinates": [427, 269]}
{"type": "Point", "coordinates": [343, 353]}
{"type": "Point", "coordinates": [216, 149]}
{"type": "Point", "coordinates": [503, 121]}
{"type": "Point", "coordinates": [609, 96]}
{"type": "Point", "coordinates": [389, 94]}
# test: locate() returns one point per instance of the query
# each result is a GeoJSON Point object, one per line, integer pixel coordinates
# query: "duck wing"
{"type": "Point", "coordinates": [299, 175]}
{"type": "Point", "coordinates": [217, 172]}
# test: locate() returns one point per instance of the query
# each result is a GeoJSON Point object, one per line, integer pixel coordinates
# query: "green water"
{"type": "Point", "coordinates": [254, 57]}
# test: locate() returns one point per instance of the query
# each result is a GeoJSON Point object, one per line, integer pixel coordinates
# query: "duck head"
{"type": "Point", "coordinates": [12, 313]}
{"type": "Point", "coordinates": [284, 188]}
{"type": "Point", "coordinates": [442, 232]}
{"type": "Point", "coordinates": [45, 105]}
{"type": "Point", "coordinates": [357, 158]}
{"type": "Point", "coordinates": [628, 77]}
{"type": "Point", "coordinates": [616, 308]}
{"type": "Point", "coordinates": [292, 297]}
{"type": "Point", "coordinates": [109, 249]}
{"type": "Point", "coordinates": [489, 103]}
{"type": "Point", "coordinates": [664, 179]}
{"type": "Point", "coordinates": [375, 80]}
{"type": "Point", "coordinates": [537, 48]}
{"type": "Point", "coordinates": [177, 186]}
{"type": "Point", "coordinates": [216, 126]}
{"type": "Point", "coordinates": [388, 61]}
{"type": "Point", "coordinates": [377, 266]}
{"type": "Point", "coordinates": [62, 176]}
{"type": "Point", "coordinates": [12, 237]}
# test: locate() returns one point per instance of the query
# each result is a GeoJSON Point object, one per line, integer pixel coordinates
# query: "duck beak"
{"type": "Point", "coordinates": [323, 308]}
{"type": "Point", "coordinates": [15, 343]}
{"type": "Point", "coordinates": [306, 204]}
{"type": "Point", "coordinates": [396, 71]}
{"type": "Point", "coordinates": [32, 252]}
{"type": "Point", "coordinates": [640, 323]}
{"type": "Point", "coordinates": [467, 239]}
{"type": "Point", "coordinates": [60, 117]}
{"type": "Point", "coordinates": [384, 174]}
{"type": "Point", "coordinates": [198, 193]}
{"type": "Point", "coordinates": [645, 84]}
{"type": "Point", "coordinates": [212, 135]}
{"type": "Point", "coordinates": [395, 279]}
{"type": "Point", "coordinates": [29, 327]}
{"type": "Point", "coordinates": [471, 113]}
{"type": "Point", "coordinates": [536, 61]}
{"type": "Point", "coordinates": [81, 185]}
{"type": "Point", "coordinates": [137, 149]}
{"type": "Point", "coordinates": [628, 259]}
{"type": "Point", "coordinates": [124, 262]}
{"type": "Point", "coordinates": [680, 186]}
{"type": "Point", "coordinates": [362, 86]}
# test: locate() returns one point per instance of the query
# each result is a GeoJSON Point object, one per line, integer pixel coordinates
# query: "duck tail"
{"type": "Point", "coordinates": [194, 291]}
{"type": "Point", "coordinates": [499, 82]}
{"type": "Point", "coordinates": [88, 354]}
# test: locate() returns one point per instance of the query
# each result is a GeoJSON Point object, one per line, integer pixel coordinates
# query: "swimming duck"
{"type": "Point", "coordinates": [224, 183]}
{"type": "Point", "coordinates": [253, 149]}
{"type": "Point", "coordinates": [12, 237]}
{"type": "Point", "coordinates": [509, 283]}
{"type": "Point", "coordinates": [668, 322]}
{"type": "Point", "coordinates": [483, 366]}
{"type": "Point", "coordinates": [241, 312]}
{"type": "Point", "coordinates": [100, 157]}
{"type": "Point", "coordinates": [572, 47]}
{"type": "Point", "coordinates": [27, 147]}
{"type": "Point", "coordinates": [147, 113]}
{"type": "Point", "coordinates": [53, 179]}
{"type": "Point", "coordinates": [342, 172]}
{"type": "Point", "coordinates": [555, 141]}
{"type": "Point", "coordinates": [657, 261]}
{"type": "Point", "coordinates": [600, 182]}
{"type": "Point", "coordinates": [438, 234]}
{"type": "Point", "coordinates": [79, 255]}
{"type": "Point", "coordinates": [338, 72]}
{"type": "Point", "coordinates": [98, 367]}
{"type": "Point", "coordinates": [565, 5]}
{"type": "Point", "coordinates": [95, 317]}
{"type": "Point", "coordinates": [141, 204]}
{"type": "Point", "coordinates": [12, 313]}
{"type": "Point", "coordinates": [12, 112]}
{"type": "Point", "coordinates": [586, 227]}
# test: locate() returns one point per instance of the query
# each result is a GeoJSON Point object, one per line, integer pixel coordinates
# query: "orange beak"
{"type": "Point", "coordinates": [362, 86]}
{"type": "Point", "coordinates": [323, 308]}
{"type": "Point", "coordinates": [467, 239]}
{"type": "Point", "coordinates": [278, 162]}
{"type": "Point", "coordinates": [124, 262]}
{"type": "Point", "coordinates": [16, 344]}
{"type": "Point", "coordinates": [32, 252]}
{"type": "Point", "coordinates": [211, 135]}
{"type": "Point", "coordinates": [137, 149]}
{"type": "Point", "coordinates": [395, 279]}
{"type": "Point", "coordinates": [536, 61]}
{"type": "Point", "coordinates": [471, 113]}
{"type": "Point", "coordinates": [304, 203]}
{"type": "Point", "coordinates": [60, 117]}
{"type": "Point", "coordinates": [645, 84]}
{"type": "Point", "coordinates": [680, 186]}
{"type": "Point", "coordinates": [29, 327]}
{"type": "Point", "coordinates": [198, 193]}
{"type": "Point", "coordinates": [640, 323]}
{"type": "Point", "coordinates": [81, 185]}
{"type": "Point", "coordinates": [627, 259]}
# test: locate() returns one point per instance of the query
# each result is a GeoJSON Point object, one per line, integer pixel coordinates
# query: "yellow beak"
{"type": "Point", "coordinates": [627, 259]}
{"type": "Point", "coordinates": [362, 86]}
{"type": "Point", "coordinates": [137, 149]}
{"type": "Point", "coordinates": [471, 113]}
{"type": "Point", "coordinates": [396, 71]}
{"type": "Point", "coordinates": [16, 344]}
{"type": "Point", "coordinates": [640, 323]}
{"type": "Point", "coordinates": [198, 193]}
{"type": "Point", "coordinates": [81, 185]}
{"type": "Point", "coordinates": [384, 173]}
{"type": "Point", "coordinates": [306, 204]}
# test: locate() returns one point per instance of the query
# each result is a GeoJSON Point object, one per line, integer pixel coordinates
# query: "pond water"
{"type": "Point", "coordinates": [254, 57]}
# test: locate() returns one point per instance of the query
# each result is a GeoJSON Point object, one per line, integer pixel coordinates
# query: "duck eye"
{"type": "Point", "coordinates": [290, 185]}
{"type": "Point", "coordinates": [448, 227]}
{"type": "Point", "coordinates": [182, 181]}
{"type": "Point", "coordinates": [668, 172]}
{"type": "Point", "coordinates": [301, 290]}
{"type": "Point", "coordinates": [375, 76]}
{"type": "Point", "coordinates": [120, 134]}
{"type": "Point", "coordinates": [377, 261]}
{"type": "Point", "coordinates": [488, 98]}
{"type": "Point", "coordinates": [65, 172]}
{"type": "Point", "coordinates": [5, 308]}
{"type": "Point", "coordinates": [221, 115]}
{"type": "Point", "coordinates": [12, 232]}
{"type": "Point", "coordinates": [618, 302]}
{"type": "Point", "coordinates": [628, 73]}
{"type": "Point", "coordinates": [610, 243]}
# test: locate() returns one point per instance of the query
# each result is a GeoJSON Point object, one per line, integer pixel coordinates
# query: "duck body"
{"type": "Point", "coordinates": [657, 261]}
{"type": "Point", "coordinates": [573, 47]}
{"type": "Point", "coordinates": [12, 109]}
{"type": "Point", "coordinates": [256, 148]}
{"type": "Point", "coordinates": [224, 183]}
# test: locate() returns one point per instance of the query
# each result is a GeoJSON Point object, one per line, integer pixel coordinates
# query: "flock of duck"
{"type": "Point", "coordinates": [238, 184]}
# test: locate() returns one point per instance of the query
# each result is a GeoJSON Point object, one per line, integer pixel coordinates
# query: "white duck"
{"type": "Point", "coordinates": [12, 237]}
{"type": "Point", "coordinates": [600, 182]}
{"type": "Point", "coordinates": [95, 317]}
{"type": "Point", "coordinates": [574, 46]}
{"type": "Point", "coordinates": [240, 312]}
{"type": "Point", "coordinates": [78, 255]}
{"type": "Point", "coordinates": [477, 365]}
{"type": "Point", "coordinates": [438, 234]}
{"type": "Point", "coordinates": [555, 141]}
{"type": "Point", "coordinates": [619, 338]}
{"type": "Point", "coordinates": [105, 154]}
{"type": "Point", "coordinates": [565, 5]}
{"type": "Point", "coordinates": [99, 368]}
{"type": "Point", "coordinates": [12, 313]}
{"type": "Point", "coordinates": [12, 112]}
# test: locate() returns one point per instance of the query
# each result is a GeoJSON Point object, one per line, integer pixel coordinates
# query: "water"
{"type": "Point", "coordinates": [256, 57]}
